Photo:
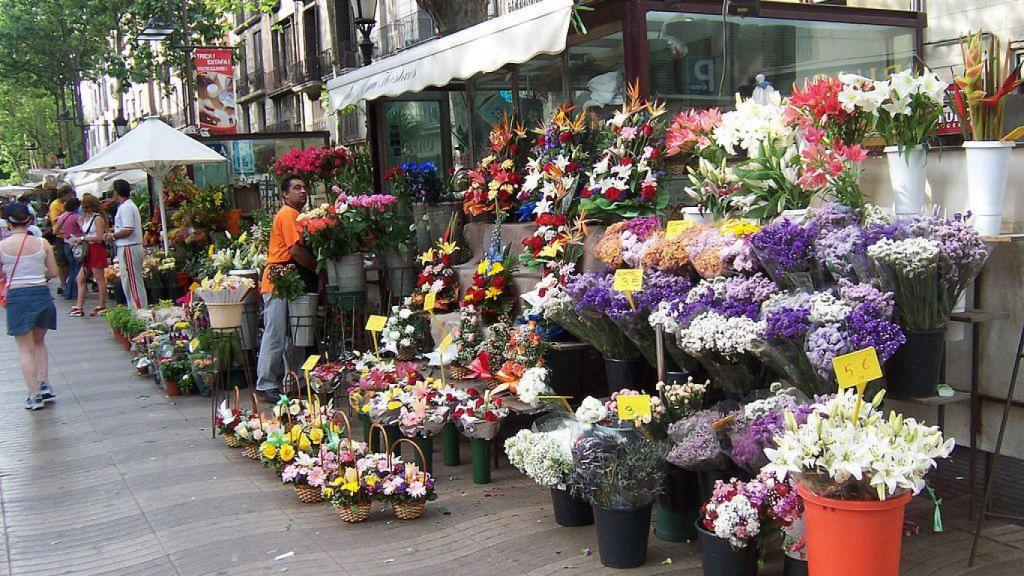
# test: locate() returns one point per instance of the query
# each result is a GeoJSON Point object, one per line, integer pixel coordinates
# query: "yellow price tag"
{"type": "Point", "coordinates": [857, 369]}
{"type": "Point", "coordinates": [195, 286]}
{"type": "Point", "coordinates": [634, 407]}
{"type": "Point", "coordinates": [629, 280]}
{"type": "Point", "coordinates": [430, 301]}
{"type": "Point", "coordinates": [550, 251]}
{"type": "Point", "coordinates": [676, 227]}
{"type": "Point", "coordinates": [310, 362]}
{"type": "Point", "coordinates": [446, 343]}
{"type": "Point", "coordinates": [193, 345]}
{"type": "Point", "coordinates": [376, 323]}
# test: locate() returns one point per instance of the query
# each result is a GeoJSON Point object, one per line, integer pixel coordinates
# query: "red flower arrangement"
{"type": "Point", "coordinates": [438, 274]}
{"type": "Point", "coordinates": [494, 185]}
{"type": "Point", "coordinates": [488, 292]}
{"type": "Point", "coordinates": [817, 106]}
{"type": "Point", "coordinates": [313, 164]}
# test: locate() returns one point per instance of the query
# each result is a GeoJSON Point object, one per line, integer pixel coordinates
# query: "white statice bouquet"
{"type": "Point", "coordinates": [403, 331]}
{"type": "Point", "coordinates": [711, 333]}
{"type": "Point", "coordinates": [868, 458]}
{"type": "Point", "coordinates": [546, 457]}
{"type": "Point", "coordinates": [912, 257]}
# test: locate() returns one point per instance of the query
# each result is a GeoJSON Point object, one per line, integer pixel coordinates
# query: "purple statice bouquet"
{"type": "Point", "coordinates": [928, 269]}
{"type": "Point", "coordinates": [786, 251]}
{"type": "Point", "coordinates": [695, 445]}
{"type": "Point", "coordinates": [579, 307]}
{"type": "Point", "coordinates": [755, 426]}
{"type": "Point", "coordinates": [800, 333]}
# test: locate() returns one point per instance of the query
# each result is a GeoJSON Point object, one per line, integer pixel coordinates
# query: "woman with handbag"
{"type": "Point", "coordinates": [94, 226]}
{"type": "Point", "coordinates": [27, 263]}
{"type": "Point", "coordinates": [69, 227]}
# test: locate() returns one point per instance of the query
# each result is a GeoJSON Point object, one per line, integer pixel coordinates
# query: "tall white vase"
{"type": "Point", "coordinates": [987, 165]}
{"type": "Point", "coordinates": [907, 175]}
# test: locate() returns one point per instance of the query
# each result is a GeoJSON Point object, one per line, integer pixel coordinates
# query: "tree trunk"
{"type": "Point", "coordinates": [454, 15]}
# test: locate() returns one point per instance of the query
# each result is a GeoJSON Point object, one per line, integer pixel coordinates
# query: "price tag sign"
{"type": "Point", "coordinates": [310, 362]}
{"type": "Point", "coordinates": [634, 407]}
{"type": "Point", "coordinates": [629, 280]}
{"type": "Point", "coordinates": [376, 323]}
{"type": "Point", "coordinates": [430, 301]}
{"type": "Point", "coordinates": [195, 286]}
{"type": "Point", "coordinates": [676, 227]}
{"type": "Point", "coordinates": [857, 369]}
{"type": "Point", "coordinates": [445, 344]}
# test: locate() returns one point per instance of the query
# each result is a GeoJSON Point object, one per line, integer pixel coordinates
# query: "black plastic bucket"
{"type": "Point", "coordinates": [622, 374]}
{"type": "Point", "coordinates": [571, 511]}
{"type": "Point", "coordinates": [678, 505]}
{"type": "Point", "coordinates": [719, 558]}
{"type": "Point", "coordinates": [622, 536]}
{"type": "Point", "coordinates": [913, 371]}
{"type": "Point", "coordinates": [794, 567]}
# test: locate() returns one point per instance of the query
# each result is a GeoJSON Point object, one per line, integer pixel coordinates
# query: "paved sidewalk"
{"type": "Point", "coordinates": [116, 478]}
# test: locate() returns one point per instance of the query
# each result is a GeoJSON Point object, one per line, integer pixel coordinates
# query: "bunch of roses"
{"type": "Point", "coordinates": [494, 185]}
{"type": "Point", "coordinates": [624, 179]}
{"type": "Point", "coordinates": [480, 415]}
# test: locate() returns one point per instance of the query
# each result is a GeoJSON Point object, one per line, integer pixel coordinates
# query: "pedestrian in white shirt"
{"type": "Point", "coordinates": [127, 238]}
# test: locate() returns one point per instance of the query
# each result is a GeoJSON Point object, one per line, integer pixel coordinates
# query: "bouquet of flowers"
{"type": "Point", "coordinates": [752, 125]}
{"type": "Point", "coordinates": [621, 472]}
{"type": "Point", "coordinates": [771, 181]}
{"type": "Point", "coordinates": [672, 403]}
{"type": "Point", "coordinates": [438, 274]}
{"type": "Point", "coordinates": [352, 489]}
{"type": "Point", "coordinates": [722, 249]}
{"type": "Point", "coordinates": [695, 445]}
{"type": "Point", "coordinates": [488, 293]}
{"type": "Point", "coordinates": [625, 243]}
{"type": "Point", "coordinates": [624, 180]}
{"type": "Point", "coordinates": [287, 282]}
{"type": "Point", "coordinates": [786, 251]}
{"type": "Point", "coordinates": [307, 470]}
{"type": "Point", "coordinates": [552, 245]}
{"type": "Point", "coordinates": [546, 457]}
{"type": "Point", "coordinates": [416, 182]}
{"type": "Point", "coordinates": [553, 174]}
{"type": "Point", "coordinates": [591, 411]}
{"type": "Point", "coordinates": [929, 270]}
{"type": "Point", "coordinates": [731, 514]}
{"type": "Point", "coordinates": [821, 104]}
{"type": "Point", "coordinates": [691, 135]}
{"type": "Point", "coordinates": [242, 253]}
{"type": "Point", "coordinates": [494, 186]}
{"type": "Point", "coordinates": [403, 333]}
{"type": "Point", "coordinates": [981, 89]}
{"type": "Point", "coordinates": [314, 164]}
{"type": "Point", "coordinates": [226, 420]}
{"type": "Point", "coordinates": [424, 409]}
{"type": "Point", "coordinates": [480, 415]}
{"type": "Point", "coordinates": [567, 308]}
{"type": "Point", "coordinates": [715, 187]}
{"type": "Point", "coordinates": [906, 106]}
{"type": "Point", "coordinates": [754, 426]}
{"type": "Point", "coordinates": [406, 485]}
{"type": "Point", "coordinates": [467, 336]}
{"type": "Point", "coordinates": [831, 168]}
{"type": "Point", "coordinates": [224, 289]}
{"type": "Point", "coordinates": [869, 457]}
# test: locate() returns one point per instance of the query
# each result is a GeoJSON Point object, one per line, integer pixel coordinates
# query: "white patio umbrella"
{"type": "Point", "coordinates": [14, 190]}
{"type": "Point", "coordinates": [156, 148]}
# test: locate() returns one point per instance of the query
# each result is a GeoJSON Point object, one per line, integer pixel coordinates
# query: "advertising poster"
{"type": "Point", "coordinates": [242, 161]}
{"type": "Point", "coordinates": [215, 89]}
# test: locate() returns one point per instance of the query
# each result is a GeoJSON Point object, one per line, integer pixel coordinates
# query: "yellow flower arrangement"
{"type": "Point", "coordinates": [304, 444]}
{"type": "Point", "coordinates": [740, 227]}
{"type": "Point", "coordinates": [317, 434]}
{"type": "Point", "coordinates": [269, 451]}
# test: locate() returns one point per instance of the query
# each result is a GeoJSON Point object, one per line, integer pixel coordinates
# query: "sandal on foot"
{"type": "Point", "coordinates": [76, 312]}
{"type": "Point", "coordinates": [98, 311]}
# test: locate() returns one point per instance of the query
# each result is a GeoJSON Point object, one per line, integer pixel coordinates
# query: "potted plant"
{"type": "Point", "coordinates": [174, 371]}
{"type": "Point", "coordinates": [927, 270]}
{"type": "Point", "coordinates": [906, 107]}
{"type": "Point", "coordinates": [857, 470]}
{"type": "Point", "coordinates": [546, 457]}
{"type": "Point", "coordinates": [479, 417]}
{"type": "Point", "coordinates": [620, 475]}
{"type": "Point", "coordinates": [978, 99]}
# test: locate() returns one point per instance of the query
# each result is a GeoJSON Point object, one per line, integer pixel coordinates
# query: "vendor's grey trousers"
{"type": "Point", "coordinates": [275, 351]}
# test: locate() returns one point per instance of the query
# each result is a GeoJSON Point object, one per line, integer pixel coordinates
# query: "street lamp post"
{"type": "Point", "coordinates": [120, 123]}
{"type": "Point", "coordinates": [365, 12]}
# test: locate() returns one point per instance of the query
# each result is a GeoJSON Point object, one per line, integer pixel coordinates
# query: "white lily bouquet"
{"type": "Point", "coordinates": [849, 451]}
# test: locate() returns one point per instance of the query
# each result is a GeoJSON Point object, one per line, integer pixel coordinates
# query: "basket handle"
{"type": "Point", "coordinates": [419, 451]}
{"type": "Point", "coordinates": [255, 403]}
{"type": "Point", "coordinates": [384, 434]}
{"type": "Point", "coordinates": [348, 432]}
{"type": "Point", "coordinates": [236, 398]}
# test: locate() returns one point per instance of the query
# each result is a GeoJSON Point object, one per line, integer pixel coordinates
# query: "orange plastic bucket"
{"type": "Point", "coordinates": [853, 538]}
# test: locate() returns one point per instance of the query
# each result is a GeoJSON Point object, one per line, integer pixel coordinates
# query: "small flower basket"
{"type": "Point", "coordinates": [251, 451]}
{"type": "Point", "coordinates": [356, 512]}
{"type": "Point", "coordinates": [405, 479]}
{"type": "Point", "coordinates": [308, 494]}
{"type": "Point", "coordinates": [456, 372]}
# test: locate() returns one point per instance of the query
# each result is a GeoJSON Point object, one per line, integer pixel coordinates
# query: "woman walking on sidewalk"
{"type": "Point", "coordinates": [94, 226]}
{"type": "Point", "coordinates": [69, 226]}
{"type": "Point", "coordinates": [27, 264]}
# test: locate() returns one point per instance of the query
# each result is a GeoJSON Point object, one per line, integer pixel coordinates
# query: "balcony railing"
{"type": "Point", "coordinates": [250, 82]}
{"type": "Point", "coordinates": [312, 69]}
{"type": "Point", "coordinates": [277, 78]}
{"type": "Point", "coordinates": [281, 126]}
{"type": "Point", "coordinates": [405, 32]}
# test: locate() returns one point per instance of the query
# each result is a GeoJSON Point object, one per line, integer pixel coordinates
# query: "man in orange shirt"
{"type": "Point", "coordinates": [285, 247]}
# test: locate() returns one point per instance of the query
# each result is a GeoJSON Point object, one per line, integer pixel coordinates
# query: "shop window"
{"type": "Point", "coordinates": [492, 100]}
{"type": "Point", "coordinates": [541, 90]}
{"type": "Point", "coordinates": [412, 132]}
{"type": "Point", "coordinates": [597, 73]}
{"type": "Point", "coordinates": [696, 61]}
